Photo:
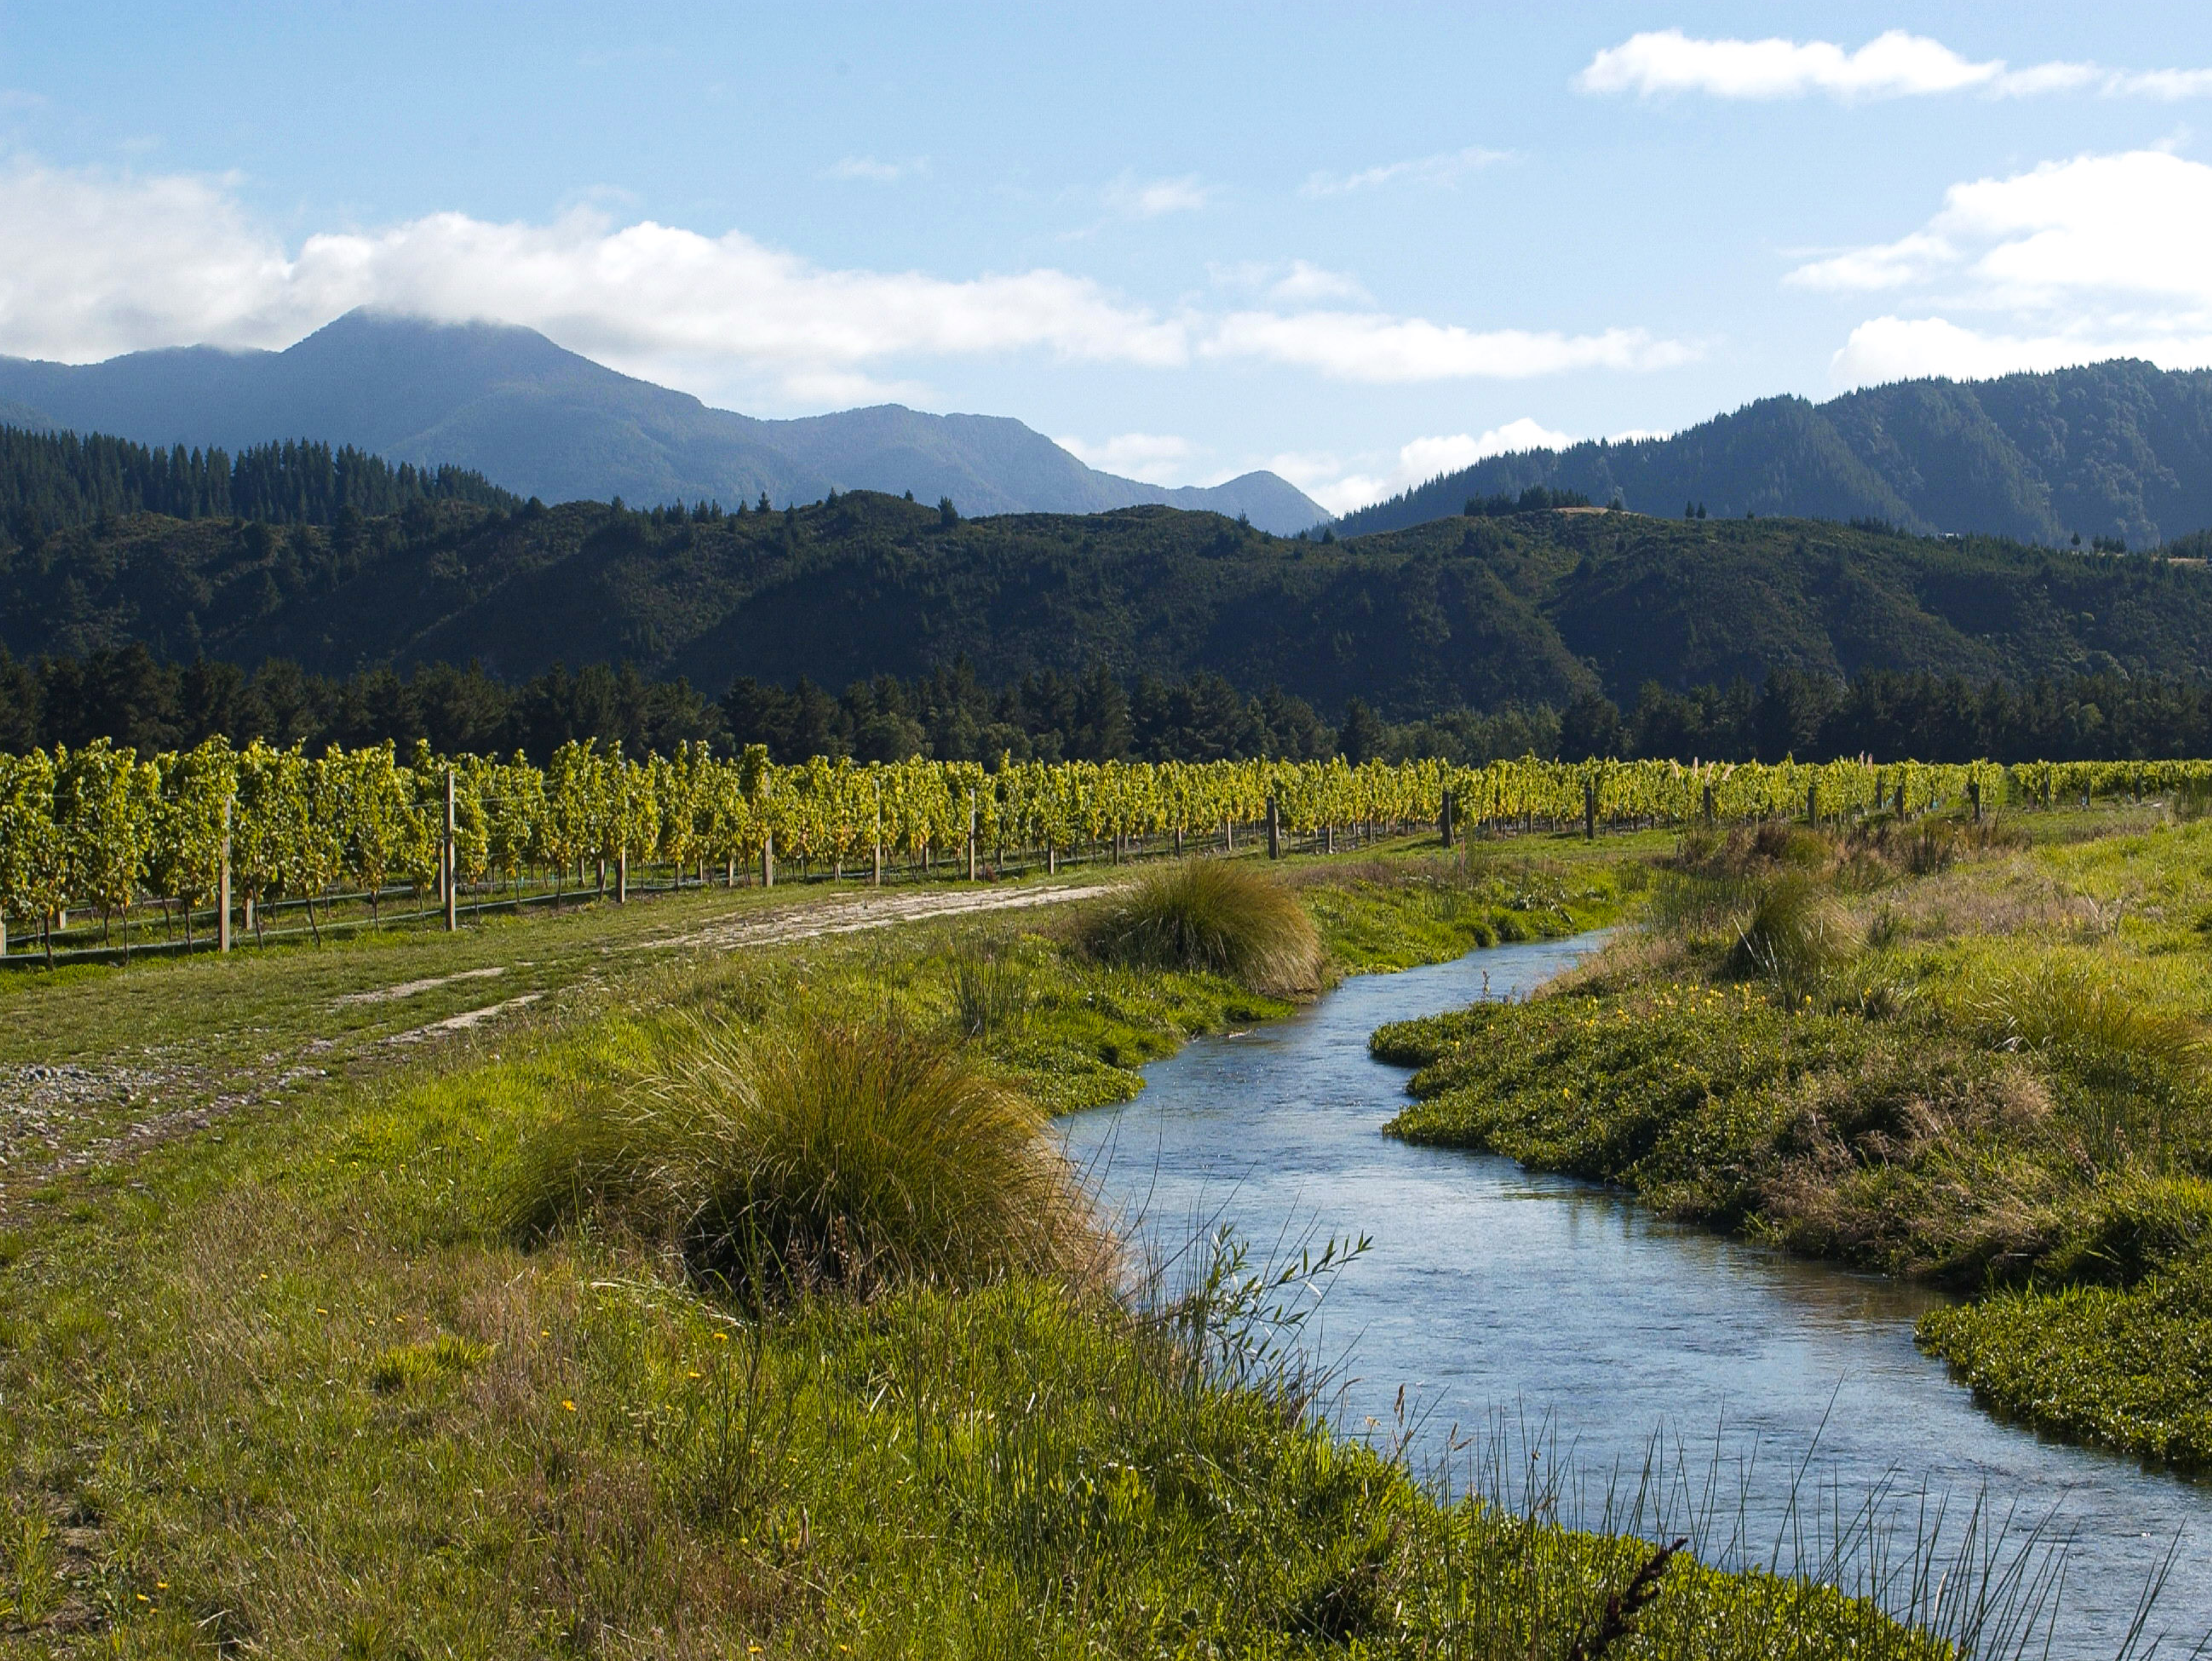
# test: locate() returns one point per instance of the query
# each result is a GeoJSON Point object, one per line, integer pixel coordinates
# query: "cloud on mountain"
{"type": "Point", "coordinates": [102, 262]}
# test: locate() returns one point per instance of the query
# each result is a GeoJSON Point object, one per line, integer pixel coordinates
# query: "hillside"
{"type": "Point", "coordinates": [2121, 448]}
{"type": "Point", "coordinates": [1476, 613]}
{"type": "Point", "coordinates": [509, 403]}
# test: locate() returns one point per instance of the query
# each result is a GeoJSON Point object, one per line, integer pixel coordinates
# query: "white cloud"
{"type": "Point", "coordinates": [1341, 487]}
{"type": "Point", "coordinates": [1887, 348]}
{"type": "Point", "coordinates": [2097, 257]}
{"type": "Point", "coordinates": [1447, 168]}
{"type": "Point", "coordinates": [1424, 458]}
{"type": "Point", "coordinates": [1154, 458]}
{"type": "Point", "coordinates": [1896, 64]}
{"type": "Point", "coordinates": [102, 262]}
{"type": "Point", "coordinates": [1886, 265]}
{"type": "Point", "coordinates": [868, 169]}
{"type": "Point", "coordinates": [1369, 346]}
{"type": "Point", "coordinates": [1149, 199]}
{"type": "Point", "coordinates": [1300, 281]}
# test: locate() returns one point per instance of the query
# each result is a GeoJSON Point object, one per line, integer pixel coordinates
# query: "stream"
{"type": "Point", "coordinates": [1525, 1315]}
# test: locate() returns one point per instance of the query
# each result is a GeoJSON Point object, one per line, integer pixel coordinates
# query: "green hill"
{"type": "Point", "coordinates": [1535, 608]}
{"type": "Point", "coordinates": [2119, 450]}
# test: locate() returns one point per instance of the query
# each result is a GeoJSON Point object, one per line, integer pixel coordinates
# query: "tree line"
{"type": "Point", "coordinates": [51, 481]}
{"type": "Point", "coordinates": [130, 698]}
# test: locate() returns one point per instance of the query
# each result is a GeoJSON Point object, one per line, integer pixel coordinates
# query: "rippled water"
{"type": "Point", "coordinates": [1494, 1295]}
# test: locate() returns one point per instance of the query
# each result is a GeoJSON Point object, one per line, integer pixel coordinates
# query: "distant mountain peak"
{"type": "Point", "coordinates": [544, 421]}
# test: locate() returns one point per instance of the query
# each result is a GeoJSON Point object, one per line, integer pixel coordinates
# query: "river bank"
{"type": "Point", "coordinates": [1772, 1408]}
{"type": "Point", "coordinates": [296, 1389]}
{"type": "Point", "coordinates": [1948, 1055]}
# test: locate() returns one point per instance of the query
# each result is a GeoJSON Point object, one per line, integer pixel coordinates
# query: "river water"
{"type": "Point", "coordinates": [1783, 1402]}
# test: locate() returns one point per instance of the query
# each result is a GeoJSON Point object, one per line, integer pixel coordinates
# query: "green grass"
{"type": "Point", "coordinates": [1210, 916]}
{"type": "Point", "coordinates": [305, 1390]}
{"type": "Point", "coordinates": [1945, 1053]}
{"type": "Point", "coordinates": [809, 1156]}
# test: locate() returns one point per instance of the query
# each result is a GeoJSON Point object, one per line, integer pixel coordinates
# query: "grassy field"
{"type": "Point", "coordinates": [342, 1372]}
{"type": "Point", "coordinates": [1972, 1054]}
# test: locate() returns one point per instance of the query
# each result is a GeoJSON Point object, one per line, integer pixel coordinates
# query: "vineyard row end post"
{"type": "Point", "coordinates": [768, 859]}
{"type": "Point", "coordinates": [1445, 826]}
{"type": "Point", "coordinates": [449, 864]}
{"type": "Point", "coordinates": [1274, 829]}
{"type": "Point", "coordinates": [221, 886]}
{"type": "Point", "coordinates": [1590, 810]}
{"type": "Point", "coordinates": [971, 836]}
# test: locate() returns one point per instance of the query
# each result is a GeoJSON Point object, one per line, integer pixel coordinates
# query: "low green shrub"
{"type": "Point", "coordinates": [2131, 1367]}
{"type": "Point", "coordinates": [817, 1155]}
{"type": "Point", "coordinates": [1210, 916]}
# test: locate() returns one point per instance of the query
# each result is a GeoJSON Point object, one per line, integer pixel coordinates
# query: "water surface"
{"type": "Point", "coordinates": [1561, 1308]}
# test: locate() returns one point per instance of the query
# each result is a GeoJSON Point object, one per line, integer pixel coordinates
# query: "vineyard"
{"type": "Point", "coordinates": [214, 838]}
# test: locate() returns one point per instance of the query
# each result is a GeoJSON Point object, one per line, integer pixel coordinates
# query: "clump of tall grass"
{"type": "Point", "coordinates": [991, 995]}
{"type": "Point", "coordinates": [1212, 916]}
{"type": "Point", "coordinates": [820, 1156]}
{"type": "Point", "coordinates": [2054, 1005]}
{"type": "Point", "coordinates": [1794, 936]}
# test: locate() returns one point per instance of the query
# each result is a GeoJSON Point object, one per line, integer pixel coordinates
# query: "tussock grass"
{"type": "Point", "coordinates": [1795, 935]}
{"type": "Point", "coordinates": [812, 1156]}
{"type": "Point", "coordinates": [1211, 917]}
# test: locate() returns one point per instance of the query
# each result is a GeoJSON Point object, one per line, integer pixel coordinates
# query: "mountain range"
{"type": "Point", "coordinates": [542, 420]}
{"type": "Point", "coordinates": [2120, 451]}
{"type": "Point", "coordinates": [1475, 612]}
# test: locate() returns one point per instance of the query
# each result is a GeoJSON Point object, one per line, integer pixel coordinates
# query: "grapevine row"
{"type": "Point", "coordinates": [103, 828]}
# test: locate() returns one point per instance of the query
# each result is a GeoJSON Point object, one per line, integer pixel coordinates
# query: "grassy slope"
{"type": "Point", "coordinates": [1994, 1076]}
{"type": "Point", "coordinates": [288, 1390]}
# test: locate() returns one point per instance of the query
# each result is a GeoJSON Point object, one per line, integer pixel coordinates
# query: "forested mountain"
{"type": "Point", "coordinates": [2119, 451]}
{"type": "Point", "coordinates": [1541, 607]}
{"type": "Point", "coordinates": [509, 403]}
{"type": "Point", "coordinates": [51, 480]}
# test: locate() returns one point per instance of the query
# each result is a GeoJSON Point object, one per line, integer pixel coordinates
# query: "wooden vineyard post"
{"type": "Point", "coordinates": [221, 890]}
{"type": "Point", "coordinates": [768, 859]}
{"type": "Point", "coordinates": [1445, 826]}
{"type": "Point", "coordinates": [1590, 810]}
{"type": "Point", "coordinates": [449, 865]}
{"type": "Point", "coordinates": [971, 836]}
{"type": "Point", "coordinates": [622, 876]}
{"type": "Point", "coordinates": [1710, 814]}
{"type": "Point", "coordinates": [1274, 829]}
{"type": "Point", "coordinates": [1228, 836]}
{"type": "Point", "coordinates": [1974, 795]}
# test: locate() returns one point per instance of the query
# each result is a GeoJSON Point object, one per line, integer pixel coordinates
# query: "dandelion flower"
{"type": "Point", "coordinates": [570, 1406]}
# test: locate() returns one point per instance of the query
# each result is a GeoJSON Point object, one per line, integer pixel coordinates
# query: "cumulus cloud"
{"type": "Point", "coordinates": [106, 263]}
{"type": "Point", "coordinates": [1896, 64]}
{"type": "Point", "coordinates": [1447, 168]}
{"type": "Point", "coordinates": [1372, 346]}
{"type": "Point", "coordinates": [2100, 256]}
{"type": "Point", "coordinates": [1340, 487]}
{"type": "Point", "coordinates": [1887, 348]}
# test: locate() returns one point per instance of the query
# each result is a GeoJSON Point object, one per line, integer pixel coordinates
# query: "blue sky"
{"type": "Point", "coordinates": [1356, 243]}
